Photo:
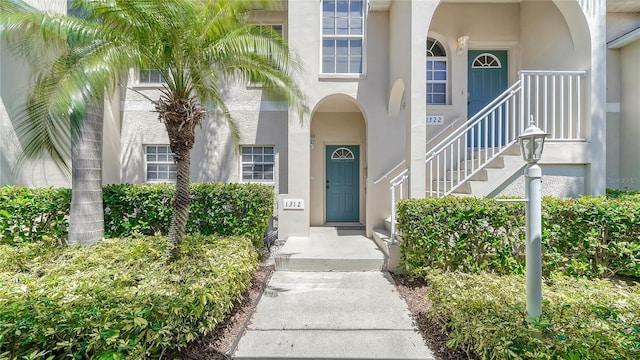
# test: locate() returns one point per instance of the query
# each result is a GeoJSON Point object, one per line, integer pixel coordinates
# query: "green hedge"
{"type": "Point", "coordinates": [587, 237]}
{"type": "Point", "coordinates": [626, 194]}
{"type": "Point", "coordinates": [141, 209]}
{"type": "Point", "coordinates": [582, 319]}
{"type": "Point", "coordinates": [28, 214]}
{"type": "Point", "coordinates": [216, 208]}
{"type": "Point", "coordinates": [117, 299]}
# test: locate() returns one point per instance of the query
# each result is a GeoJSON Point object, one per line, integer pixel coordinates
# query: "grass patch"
{"type": "Point", "coordinates": [117, 299]}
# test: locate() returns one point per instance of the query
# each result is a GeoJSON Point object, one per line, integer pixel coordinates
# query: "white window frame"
{"type": "Point", "coordinates": [172, 167]}
{"type": "Point", "coordinates": [363, 48]}
{"type": "Point", "coordinates": [447, 72]}
{"type": "Point", "coordinates": [272, 25]}
{"type": "Point", "coordinates": [243, 162]}
{"type": "Point", "coordinates": [494, 64]}
{"type": "Point", "coordinates": [155, 72]}
{"type": "Point", "coordinates": [252, 85]}
{"type": "Point", "coordinates": [342, 153]}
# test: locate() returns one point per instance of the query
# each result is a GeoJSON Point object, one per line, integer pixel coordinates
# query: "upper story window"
{"type": "Point", "coordinates": [150, 76]}
{"type": "Point", "coordinates": [342, 36]}
{"type": "Point", "coordinates": [437, 73]}
{"type": "Point", "coordinates": [160, 165]}
{"type": "Point", "coordinates": [277, 28]}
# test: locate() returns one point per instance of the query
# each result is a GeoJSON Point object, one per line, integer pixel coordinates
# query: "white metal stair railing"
{"type": "Point", "coordinates": [460, 156]}
{"type": "Point", "coordinates": [552, 98]}
{"type": "Point", "coordinates": [399, 187]}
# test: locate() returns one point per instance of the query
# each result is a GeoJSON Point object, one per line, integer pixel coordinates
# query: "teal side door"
{"type": "Point", "coordinates": [342, 183]}
{"type": "Point", "coordinates": [488, 78]}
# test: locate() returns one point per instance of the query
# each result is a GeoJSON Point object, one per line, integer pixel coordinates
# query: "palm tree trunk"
{"type": "Point", "coordinates": [180, 204]}
{"type": "Point", "coordinates": [86, 218]}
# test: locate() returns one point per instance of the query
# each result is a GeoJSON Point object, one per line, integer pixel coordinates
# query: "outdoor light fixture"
{"type": "Point", "coordinates": [531, 143]}
{"type": "Point", "coordinates": [461, 44]}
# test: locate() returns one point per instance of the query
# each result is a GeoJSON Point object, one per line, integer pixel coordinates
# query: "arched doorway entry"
{"type": "Point", "coordinates": [338, 161]}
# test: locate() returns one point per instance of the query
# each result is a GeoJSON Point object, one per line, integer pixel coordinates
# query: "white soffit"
{"type": "Point", "coordinates": [379, 5]}
{"type": "Point", "coordinates": [623, 5]}
{"type": "Point", "coordinates": [612, 5]}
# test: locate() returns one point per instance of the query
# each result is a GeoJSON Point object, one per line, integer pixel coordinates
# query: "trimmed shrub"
{"type": "Point", "coordinates": [27, 214]}
{"type": "Point", "coordinates": [231, 209]}
{"type": "Point", "coordinates": [582, 319]}
{"type": "Point", "coordinates": [216, 208]}
{"type": "Point", "coordinates": [594, 237]}
{"type": "Point", "coordinates": [117, 299]}
{"type": "Point", "coordinates": [466, 234]}
{"type": "Point", "coordinates": [137, 209]}
{"type": "Point", "coordinates": [30, 214]}
{"type": "Point", "coordinates": [627, 194]}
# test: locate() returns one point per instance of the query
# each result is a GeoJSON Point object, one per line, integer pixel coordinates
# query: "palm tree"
{"type": "Point", "coordinates": [196, 45]}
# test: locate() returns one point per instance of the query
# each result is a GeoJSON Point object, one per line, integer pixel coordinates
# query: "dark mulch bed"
{"type": "Point", "coordinates": [413, 292]}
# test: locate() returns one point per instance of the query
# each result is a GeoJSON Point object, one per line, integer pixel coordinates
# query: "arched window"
{"type": "Point", "coordinates": [342, 154]}
{"type": "Point", "coordinates": [437, 71]}
{"type": "Point", "coordinates": [486, 60]}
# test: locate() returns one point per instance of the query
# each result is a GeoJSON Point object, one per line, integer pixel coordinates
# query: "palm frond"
{"type": "Point", "coordinates": [194, 44]}
{"type": "Point", "coordinates": [74, 61]}
{"type": "Point", "coordinates": [257, 55]}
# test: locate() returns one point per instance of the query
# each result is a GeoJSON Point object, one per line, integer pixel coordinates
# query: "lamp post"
{"type": "Point", "coordinates": [531, 144]}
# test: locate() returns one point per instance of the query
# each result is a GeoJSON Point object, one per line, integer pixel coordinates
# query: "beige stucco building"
{"type": "Point", "coordinates": [423, 97]}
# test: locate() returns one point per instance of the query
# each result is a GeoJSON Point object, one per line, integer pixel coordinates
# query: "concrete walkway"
{"type": "Point", "coordinates": [331, 315]}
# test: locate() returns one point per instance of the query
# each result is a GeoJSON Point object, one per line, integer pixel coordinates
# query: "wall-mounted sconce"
{"type": "Point", "coordinates": [313, 143]}
{"type": "Point", "coordinates": [462, 44]}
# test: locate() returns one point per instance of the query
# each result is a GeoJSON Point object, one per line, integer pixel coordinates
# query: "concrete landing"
{"type": "Point", "coordinates": [331, 315]}
{"type": "Point", "coordinates": [330, 249]}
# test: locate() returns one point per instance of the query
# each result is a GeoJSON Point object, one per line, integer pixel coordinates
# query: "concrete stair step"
{"type": "Point", "coordinates": [511, 150]}
{"type": "Point", "coordinates": [455, 175]}
{"type": "Point", "coordinates": [473, 164]}
{"type": "Point", "coordinates": [330, 249]}
{"type": "Point", "coordinates": [441, 185]}
{"type": "Point", "coordinates": [391, 250]}
{"type": "Point", "coordinates": [496, 177]}
{"type": "Point", "coordinates": [488, 180]}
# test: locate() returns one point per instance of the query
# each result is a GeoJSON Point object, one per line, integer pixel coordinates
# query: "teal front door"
{"type": "Point", "coordinates": [342, 183]}
{"type": "Point", "coordinates": [488, 78]}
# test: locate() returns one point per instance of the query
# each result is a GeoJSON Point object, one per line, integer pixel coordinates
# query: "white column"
{"type": "Point", "coordinates": [296, 222]}
{"type": "Point", "coordinates": [421, 15]}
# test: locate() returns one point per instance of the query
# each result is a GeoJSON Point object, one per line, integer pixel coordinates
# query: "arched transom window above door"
{"type": "Point", "coordinates": [437, 73]}
{"type": "Point", "coordinates": [342, 154]}
{"type": "Point", "coordinates": [486, 61]}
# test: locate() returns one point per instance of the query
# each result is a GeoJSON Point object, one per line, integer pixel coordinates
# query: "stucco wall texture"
{"type": "Point", "coordinates": [356, 108]}
{"type": "Point", "coordinates": [557, 180]}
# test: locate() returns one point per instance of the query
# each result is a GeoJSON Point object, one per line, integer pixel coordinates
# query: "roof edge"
{"type": "Point", "coordinates": [625, 39]}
